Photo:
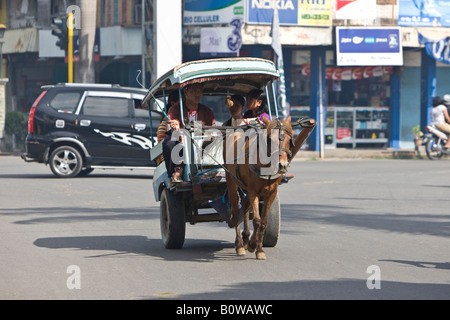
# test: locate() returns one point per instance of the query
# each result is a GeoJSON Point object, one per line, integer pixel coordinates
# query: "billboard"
{"type": "Point", "coordinates": [423, 13]}
{"type": "Point", "coordinates": [369, 47]}
{"type": "Point", "coordinates": [202, 12]}
{"type": "Point", "coordinates": [290, 12]}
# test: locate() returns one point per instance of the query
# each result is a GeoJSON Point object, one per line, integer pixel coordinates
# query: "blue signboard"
{"type": "Point", "coordinates": [437, 49]}
{"type": "Point", "coordinates": [261, 11]}
{"type": "Point", "coordinates": [368, 46]}
{"type": "Point", "coordinates": [424, 13]}
{"type": "Point", "coordinates": [207, 5]}
{"type": "Point", "coordinates": [369, 40]}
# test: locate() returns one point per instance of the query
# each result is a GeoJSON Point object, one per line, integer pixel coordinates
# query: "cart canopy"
{"type": "Point", "coordinates": [233, 75]}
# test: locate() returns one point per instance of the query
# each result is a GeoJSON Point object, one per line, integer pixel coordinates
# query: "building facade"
{"type": "Point", "coordinates": [362, 68]}
{"type": "Point", "coordinates": [370, 97]}
{"type": "Point", "coordinates": [32, 58]}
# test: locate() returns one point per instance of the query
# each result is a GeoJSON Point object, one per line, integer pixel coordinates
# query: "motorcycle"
{"type": "Point", "coordinates": [434, 141]}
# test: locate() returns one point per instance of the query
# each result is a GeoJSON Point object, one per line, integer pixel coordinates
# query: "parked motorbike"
{"type": "Point", "coordinates": [434, 141]}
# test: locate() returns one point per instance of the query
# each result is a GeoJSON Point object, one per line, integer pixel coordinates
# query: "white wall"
{"type": "Point", "coordinates": [168, 16]}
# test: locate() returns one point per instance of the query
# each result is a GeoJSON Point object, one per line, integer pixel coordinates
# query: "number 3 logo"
{"type": "Point", "coordinates": [235, 39]}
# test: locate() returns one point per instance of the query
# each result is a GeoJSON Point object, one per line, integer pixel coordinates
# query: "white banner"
{"type": "Point", "coordinates": [214, 41]}
{"type": "Point", "coordinates": [356, 9]}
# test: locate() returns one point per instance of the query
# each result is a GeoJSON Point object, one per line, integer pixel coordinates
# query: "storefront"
{"type": "Point", "coordinates": [357, 101]}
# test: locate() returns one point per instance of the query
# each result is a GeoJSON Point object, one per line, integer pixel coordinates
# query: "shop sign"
{"type": "Point", "coordinates": [439, 50]}
{"type": "Point", "coordinates": [368, 46]}
{"type": "Point", "coordinates": [350, 73]}
{"type": "Point", "coordinates": [343, 133]}
{"type": "Point", "coordinates": [221, 41]}
{"type": "Point", "coordinates": [291, 12]}
{"type": "Point", "coordinates": [356, 9]}
{"type": "Point", "coordinates": [423, 13]}
{"type": "Point", "coordinates": [201, 12]}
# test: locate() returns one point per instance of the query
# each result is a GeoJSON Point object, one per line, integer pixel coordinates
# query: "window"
{"type": "Point", "coordinates": [139, 111]}
{"type": "Point", "coordinates": [65, 102]}
{"type": "Point", "coordinates": [106, 107]}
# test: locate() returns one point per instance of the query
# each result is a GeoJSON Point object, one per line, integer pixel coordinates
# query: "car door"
{"type": "Point", "coordinates": [106, 124]}
{"type": "Point", "coordinates": [59, 117]}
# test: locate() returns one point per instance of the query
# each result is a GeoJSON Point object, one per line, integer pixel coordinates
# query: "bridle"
{"type": "Point", "coordinates": [281, 137]}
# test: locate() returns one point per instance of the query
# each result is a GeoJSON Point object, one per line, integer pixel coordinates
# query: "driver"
{"type": "Point", "coordinates": [193, 111]}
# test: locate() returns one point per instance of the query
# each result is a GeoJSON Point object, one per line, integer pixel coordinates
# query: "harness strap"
{"type": "Point", "coordinates": [257, 171]}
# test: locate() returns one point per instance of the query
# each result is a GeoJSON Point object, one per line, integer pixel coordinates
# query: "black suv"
{"type": "Point", "coordinates": [76, 128]}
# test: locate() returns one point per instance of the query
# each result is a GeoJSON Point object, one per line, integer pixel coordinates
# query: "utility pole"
{"type": "Point", "coordinates": [85, 72]}
{"type": "Point", "coordinates": [70, 47]}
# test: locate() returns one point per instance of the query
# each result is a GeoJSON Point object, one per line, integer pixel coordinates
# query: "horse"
{"type": "Point", "coordinates": [256, 185]}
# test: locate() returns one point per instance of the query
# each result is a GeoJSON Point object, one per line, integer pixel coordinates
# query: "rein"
{"type": "Point", "coordinates": [253, 167]}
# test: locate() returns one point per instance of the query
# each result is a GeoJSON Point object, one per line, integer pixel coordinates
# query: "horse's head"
{"type": "Point", "coordinates": [286, 140]}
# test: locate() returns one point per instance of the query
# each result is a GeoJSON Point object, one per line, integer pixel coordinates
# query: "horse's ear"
{"type": "Point", "coordinates": [288, 119]}
{"type": "Point", "coordinates": [266, 121]}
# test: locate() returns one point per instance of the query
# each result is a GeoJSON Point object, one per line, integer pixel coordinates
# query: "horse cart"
{"type": "Point", "coordinates": [202, 196]}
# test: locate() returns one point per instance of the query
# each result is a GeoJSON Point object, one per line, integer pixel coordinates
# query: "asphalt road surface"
{"type": "Point", "coordinates": [358, 229]}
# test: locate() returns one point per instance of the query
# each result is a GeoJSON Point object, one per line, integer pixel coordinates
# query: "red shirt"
{"type": "Point", "coordinates": [203, 114]}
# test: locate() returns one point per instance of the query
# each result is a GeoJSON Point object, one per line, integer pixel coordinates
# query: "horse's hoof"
{"type": "Point", "coordinates": [251, 249]}
{"type": "Point", "coordinates": [260, 256]}
{"type": "Point", "coordinates": [240, 251]}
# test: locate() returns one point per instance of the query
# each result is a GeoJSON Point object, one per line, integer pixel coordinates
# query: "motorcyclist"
{"type": "Point", "coordinates": [446, 102]}
{"type": "Point", "coordinates": [440, 119]}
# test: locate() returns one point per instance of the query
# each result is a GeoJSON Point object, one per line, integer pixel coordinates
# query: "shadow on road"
{"type": "Point", "coordinates": [431, 224]}
{"type": "Point", "coordinates": [109, 175]}
{"type": "Point", "coordinates": [78, 214]}
{"type": "Point", "coordinates": [340, 289]}
{"type": "Point", "coordinates": [194, 250]}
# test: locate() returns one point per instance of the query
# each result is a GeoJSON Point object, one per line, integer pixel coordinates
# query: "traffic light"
{"type": "Point", "coordinates": [61, 31]}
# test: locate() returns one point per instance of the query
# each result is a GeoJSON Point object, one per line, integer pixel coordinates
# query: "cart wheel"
{"type": "Point", "coordinates": [273, 224]}
{"type": "Point", "coordinates": [173, 224]}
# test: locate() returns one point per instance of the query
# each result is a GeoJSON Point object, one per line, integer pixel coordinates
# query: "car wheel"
{"type": "Point", "coordinates": [66, 162]}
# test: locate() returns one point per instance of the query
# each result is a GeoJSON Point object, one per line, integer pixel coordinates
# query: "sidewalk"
{"type": "Point", "coordinates": [355, 154]}
{"type": "Point", "coordinates": [10, 154]}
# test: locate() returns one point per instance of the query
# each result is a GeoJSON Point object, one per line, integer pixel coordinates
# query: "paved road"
{"type": "Point", "coordinates": [346, 226]}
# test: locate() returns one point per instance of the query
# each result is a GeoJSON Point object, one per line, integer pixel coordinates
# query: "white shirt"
{"type": "Point", "coordinates": [437, 115]}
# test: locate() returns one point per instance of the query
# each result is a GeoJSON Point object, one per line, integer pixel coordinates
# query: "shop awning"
{"type": "Point", "coordinates": [21, 41]}
{"type": "Point", "coordinates": [308, 36]}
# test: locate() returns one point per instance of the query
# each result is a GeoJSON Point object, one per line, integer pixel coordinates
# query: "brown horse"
{"type": "Point", "coordinates": [257, 185]}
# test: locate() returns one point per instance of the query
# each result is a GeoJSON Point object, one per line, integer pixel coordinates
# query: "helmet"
{"type": "Point", "coordinates": [446, 99]}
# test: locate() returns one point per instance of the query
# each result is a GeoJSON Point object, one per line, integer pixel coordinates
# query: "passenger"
{"type": "Point", "coordinates": [257, 105]}
{"type": "Point", "coordinates": [193, 111]}
{"type": "Point", "coordinates": [446, 102]}
{"type": "Point", "coordinates": [174, 98]}
{"type": "Point", "coordinates": [235, 105]}
{"type": "Point", "coordinates": [439, 116]}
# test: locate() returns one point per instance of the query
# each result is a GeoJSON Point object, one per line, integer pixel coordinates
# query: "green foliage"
{"type": "Point", "coordinates": [16, 122]}
{"type": "Point", "coordinates": [416, 131]}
